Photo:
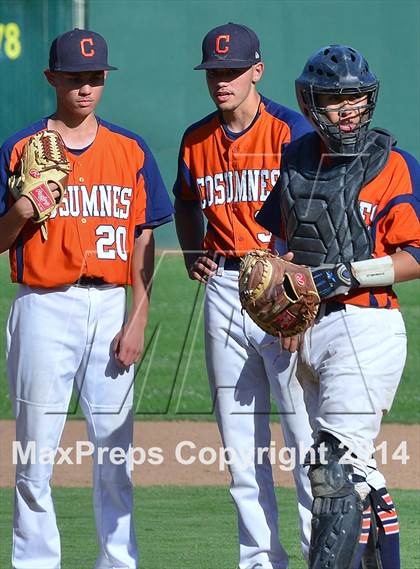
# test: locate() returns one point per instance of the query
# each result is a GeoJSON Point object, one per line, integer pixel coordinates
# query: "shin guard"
{"type": "Point", "coordinates": [337, 507]}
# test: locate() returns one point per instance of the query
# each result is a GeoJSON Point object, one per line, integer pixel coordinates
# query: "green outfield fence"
{"type": "Point", "coordinates": [156, 43]}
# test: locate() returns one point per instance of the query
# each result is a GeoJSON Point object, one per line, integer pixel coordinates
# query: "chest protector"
{"type": "Point", "coordinates": [319, 206]}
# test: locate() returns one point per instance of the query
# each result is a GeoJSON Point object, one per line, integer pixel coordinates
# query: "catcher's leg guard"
{"type": "Point", "coordinates": [337, 507]}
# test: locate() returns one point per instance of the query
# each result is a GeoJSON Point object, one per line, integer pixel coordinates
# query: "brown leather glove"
{"type": "Point", "coordinates": [43, 161]}
{"type": "Point", "coordinates": [279, 296]}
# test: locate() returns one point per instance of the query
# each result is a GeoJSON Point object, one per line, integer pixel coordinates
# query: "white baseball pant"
{"type": "Point", "coordinates": [243, 364]}
{"type": "Point", "coordinates": [350, 366]}
{"type": "Point", "coordinates": [56, 338]}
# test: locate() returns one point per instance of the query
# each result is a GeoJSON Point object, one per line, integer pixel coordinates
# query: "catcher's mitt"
{"type": "Point", "coordinates": [43, 161]}
{"type": "Point", "coordinates": [279, 296]}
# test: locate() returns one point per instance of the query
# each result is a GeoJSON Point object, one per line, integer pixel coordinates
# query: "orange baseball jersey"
{"type": "Point", "coordinates": [115, 189]}
{"type": "Point", "coordinates": [232, 175]}
{"type": "Point", "coordinates": [390, 207]}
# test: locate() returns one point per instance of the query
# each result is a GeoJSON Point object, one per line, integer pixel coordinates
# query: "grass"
{"type": "Point", "coordinates": [171, 379]}
{"type": "Point", "coordinates": [187, 528]}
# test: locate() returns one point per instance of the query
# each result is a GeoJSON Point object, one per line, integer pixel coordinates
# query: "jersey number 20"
{"type": "Point", "coordinates": [111, 242]}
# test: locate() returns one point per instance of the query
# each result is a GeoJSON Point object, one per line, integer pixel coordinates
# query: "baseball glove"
{"type": "Point", "coordinates": [279, 296]}
{"type": "Point", "coordinates": [43, 162]}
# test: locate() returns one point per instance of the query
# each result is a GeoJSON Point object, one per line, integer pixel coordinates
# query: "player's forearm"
{"type": "Point", "coordinates": [406, 267]}
{"type": "Point", "coordinates": [190, 229]}
{"type": "Point", "coordinates": [142, 276]}
{"type": "Point", "coordinates": [12, 223]}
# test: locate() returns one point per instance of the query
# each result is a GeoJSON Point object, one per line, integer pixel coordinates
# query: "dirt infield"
{"type": "Point", "coordinates": [200, 443]}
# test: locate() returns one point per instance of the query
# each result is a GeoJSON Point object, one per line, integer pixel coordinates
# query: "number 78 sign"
{"type": "Point", "coordinates": [10, 42]}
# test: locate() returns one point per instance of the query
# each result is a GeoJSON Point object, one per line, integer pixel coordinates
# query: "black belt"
{"type": "Point", "coordinates": [231, 263]}
{"type": "Point", "coordinates": [333, 306]}
{"type": "Point", "coordinates": [89, 281]}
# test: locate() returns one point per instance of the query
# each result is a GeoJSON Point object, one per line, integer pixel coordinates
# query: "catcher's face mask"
{"type": "Point", "coordinates": [342, 119]}
{"type": "Point", "coordinates": [336, 75]}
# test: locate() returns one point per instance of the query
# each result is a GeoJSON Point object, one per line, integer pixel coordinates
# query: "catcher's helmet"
{"type": "Point", "coordinates": [337, 69]}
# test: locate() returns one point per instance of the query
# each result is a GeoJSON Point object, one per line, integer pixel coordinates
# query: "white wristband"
{"type": "Point", "coordinates": [374, 272]}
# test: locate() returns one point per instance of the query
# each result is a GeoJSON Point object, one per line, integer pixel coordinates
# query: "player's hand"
{"type": "Point", "coordinates": [288, 256]}
{"type": "Point", "coordinates": [202, 268]}
{"type": "Point", "coordinates": [26, 208]}
{"type": "Point", "coordinates": [55, 191]}
{"type": "Point", "coordinates": [128, 344]}
{"type": "Point", "coordinates": [291, 344]}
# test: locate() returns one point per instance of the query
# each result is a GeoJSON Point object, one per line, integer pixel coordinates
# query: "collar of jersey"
{"type": "Point", "coordinates": [235, 135]}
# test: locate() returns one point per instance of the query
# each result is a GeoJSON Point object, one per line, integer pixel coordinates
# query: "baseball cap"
{"type": "Point", "coordinates": [230, 46]}
{"type": "Point", "coordinates": [79, 50]}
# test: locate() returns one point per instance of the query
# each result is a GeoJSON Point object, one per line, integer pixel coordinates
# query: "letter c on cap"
{"type": "Point", "coordinates": [85, 49]}
{"type": "Point", "coordinates": [222, 48]}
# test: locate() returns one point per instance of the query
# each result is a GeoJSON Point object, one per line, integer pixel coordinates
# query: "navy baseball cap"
{"type": "Point", "coordinates": [230, 46]}
{"type": "Point", "coordinates": [79, 50]}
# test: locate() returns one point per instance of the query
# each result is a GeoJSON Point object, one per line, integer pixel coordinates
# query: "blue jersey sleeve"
{"type": "Point", "coordinates": [298, 124]}
{"type": "Point", "coordinates": [300, 127]}
{"type": "Point", "coordinates": [414, 169]}
{"type": "Point", "coordinates": [183, 174]}
{"type": "Point", "coordinates": [5, 153]}
{"type": "Point", "coordinates": [159, 208]}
